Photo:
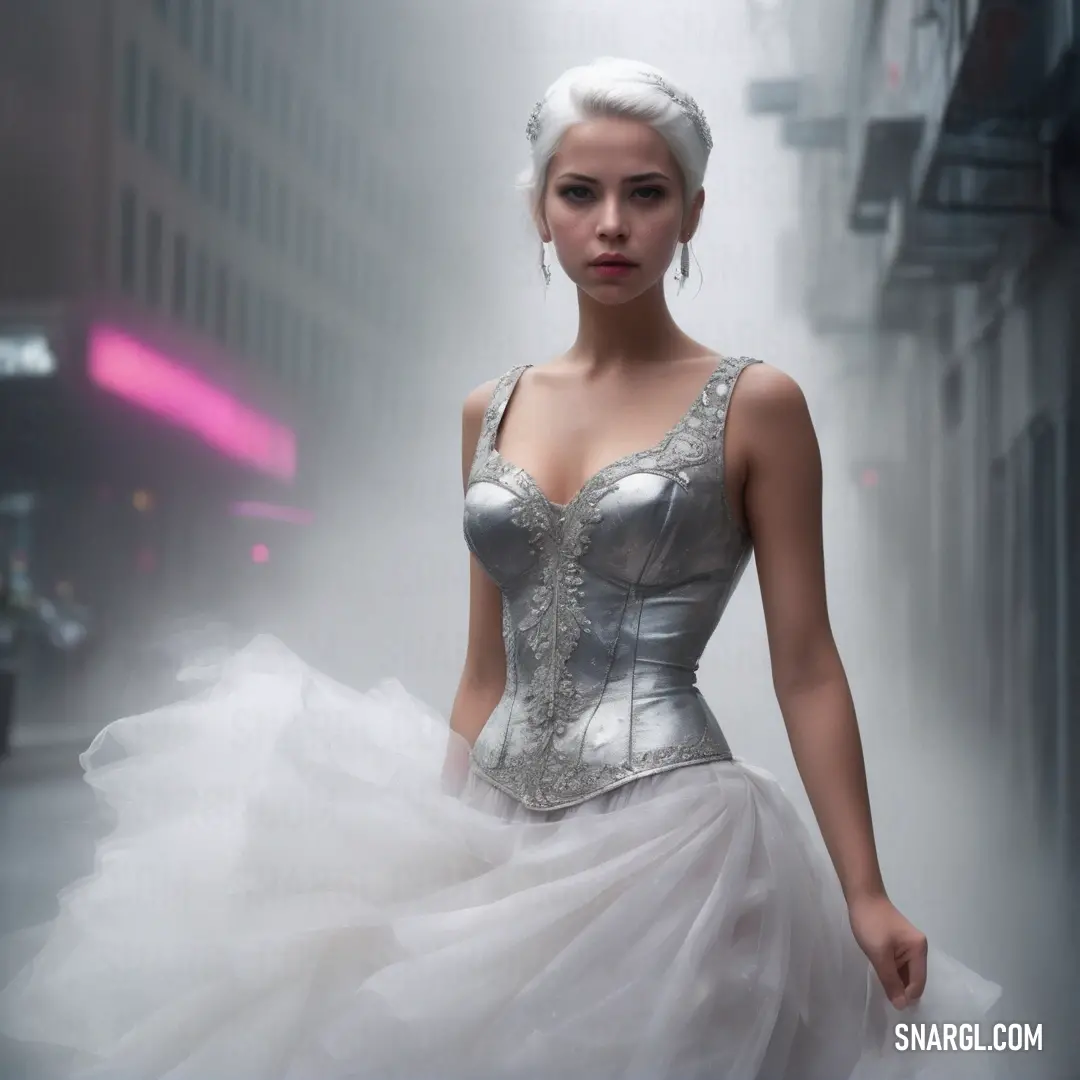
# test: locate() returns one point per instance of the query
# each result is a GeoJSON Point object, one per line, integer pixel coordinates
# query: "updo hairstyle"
{"type": "Point", "coordinates": [620, 88]}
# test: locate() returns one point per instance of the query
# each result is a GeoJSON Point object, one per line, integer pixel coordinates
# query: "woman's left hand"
{"type": "Point", "coordinates": [895, 948]}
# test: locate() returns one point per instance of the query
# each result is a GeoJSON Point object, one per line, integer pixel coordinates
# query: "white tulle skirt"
{"type": "Point", "coordinates": [288, 894]}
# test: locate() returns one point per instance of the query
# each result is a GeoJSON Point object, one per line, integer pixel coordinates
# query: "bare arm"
{"type": "Point", "coordinates": [483, 678]}
{"type": "Point", "coordinates": [782, 498]}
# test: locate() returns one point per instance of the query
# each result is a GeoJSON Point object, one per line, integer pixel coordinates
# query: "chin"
{"type": "Point", "coordinates": [612, 295]}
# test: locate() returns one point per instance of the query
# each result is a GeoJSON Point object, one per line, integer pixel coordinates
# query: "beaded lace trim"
{"type": "Point", "coordinates": [544, 777]}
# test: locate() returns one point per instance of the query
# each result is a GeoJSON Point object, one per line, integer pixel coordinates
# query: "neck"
{"type": "Point", "coordinates": [641, 331]}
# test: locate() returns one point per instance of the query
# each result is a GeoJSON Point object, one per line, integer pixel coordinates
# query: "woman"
{"type": "Point", "coordinates": [309, 883]}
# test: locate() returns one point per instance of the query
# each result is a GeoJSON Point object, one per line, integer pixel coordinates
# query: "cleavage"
{"type": "Point", "coordinates": [576, 453]}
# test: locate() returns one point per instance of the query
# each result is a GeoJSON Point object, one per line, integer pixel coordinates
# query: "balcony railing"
{"type": "Point", "coordinates": [888, 108]}
{"type": "Point", "coordinates": [931, 246]}
{"type": "Point", "coordinates": [983, 149]}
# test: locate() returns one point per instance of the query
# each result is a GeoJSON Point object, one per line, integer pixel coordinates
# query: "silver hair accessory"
{"type": "Point", "coordinates": [688, 105]}
{"type": "Point", "coordinates": [532, 128]}
{"type": "Point", "coordinates": [683, 272]}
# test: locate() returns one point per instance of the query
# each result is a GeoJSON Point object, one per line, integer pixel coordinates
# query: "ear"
{"type": "Point", "coordinates": [540, 221]}
{"type": "Point", "coordinates": [692, 218]}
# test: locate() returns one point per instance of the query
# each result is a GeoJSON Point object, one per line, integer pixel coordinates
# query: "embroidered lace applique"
{"type": "Point", "coordinates": [543, 775]}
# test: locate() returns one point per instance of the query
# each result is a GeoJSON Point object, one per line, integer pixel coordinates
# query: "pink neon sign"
{"type": "Point", "coordinates": [123, 366]}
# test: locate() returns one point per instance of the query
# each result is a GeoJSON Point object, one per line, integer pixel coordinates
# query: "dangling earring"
{"type": "Point", "coordinates": [684, 265]}
{"type": "Point", "coordinates": [544, 268]}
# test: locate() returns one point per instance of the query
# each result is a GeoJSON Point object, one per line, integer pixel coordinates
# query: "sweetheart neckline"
{"type": "Point", "coordinates": [648, 451]}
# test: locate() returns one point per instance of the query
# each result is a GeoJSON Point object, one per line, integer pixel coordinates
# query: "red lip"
{"type": "Point", "coordinates": [612, 259]}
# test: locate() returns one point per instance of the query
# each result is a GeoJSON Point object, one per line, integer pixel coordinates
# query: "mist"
{"type": "Point", "coordinates": [381, 591]}
{"type": "Point", "coordinates": [388, 598]}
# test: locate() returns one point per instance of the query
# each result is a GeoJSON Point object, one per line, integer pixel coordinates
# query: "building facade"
{"type": "Point", "coordinates": [191, 183]}
{"type": "Point", "coordinates": [938, 143]}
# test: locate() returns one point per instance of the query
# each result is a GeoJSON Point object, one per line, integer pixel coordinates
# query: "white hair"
{"type": "Point", "coordinates": [613, 87]}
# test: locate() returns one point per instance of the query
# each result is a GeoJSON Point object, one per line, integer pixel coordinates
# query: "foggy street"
{"type": "Point", "coordinates": [956, 854]}
{"type": "Point", "coordinates": [255, 257]}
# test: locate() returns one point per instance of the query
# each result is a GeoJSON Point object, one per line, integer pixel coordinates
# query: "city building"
{"type": "Point", "coordinates": [938, 146]}
{"type": "Point", "coordinates": [194, 216]}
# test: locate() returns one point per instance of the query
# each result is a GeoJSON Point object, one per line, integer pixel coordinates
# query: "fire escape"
{"type": "Point", "coordinates": [950, 137]}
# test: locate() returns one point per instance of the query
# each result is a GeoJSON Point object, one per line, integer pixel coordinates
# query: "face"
{"type": "Point", "coordinates": [614, 188]}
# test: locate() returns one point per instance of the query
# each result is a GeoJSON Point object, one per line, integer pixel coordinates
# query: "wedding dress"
{"type": "Point", "coordinates": [289, 893]}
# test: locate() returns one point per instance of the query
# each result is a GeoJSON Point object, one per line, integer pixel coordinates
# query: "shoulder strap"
{"type": "Point", "coordinates": [726, 376]}
{"type": "Point", "coordinates": [493, 414]}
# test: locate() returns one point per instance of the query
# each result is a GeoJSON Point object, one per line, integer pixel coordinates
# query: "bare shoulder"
{"type": "Point", "coordinates": [476, 403]}
{"type": "Point", "coordinates": [770, 421]}
{"type": "Point", "coordinates": [770, 394]}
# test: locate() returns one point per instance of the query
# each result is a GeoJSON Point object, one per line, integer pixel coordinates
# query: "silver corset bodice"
{"type": "Point", "coordinates": [608, 604]}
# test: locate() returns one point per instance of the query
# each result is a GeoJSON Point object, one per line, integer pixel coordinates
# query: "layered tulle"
{"type": "Point", "coordinates": [289, 894]}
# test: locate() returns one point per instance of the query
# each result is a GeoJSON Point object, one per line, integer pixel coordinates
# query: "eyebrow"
{"type": "Point", "coordinates": [640, 178]}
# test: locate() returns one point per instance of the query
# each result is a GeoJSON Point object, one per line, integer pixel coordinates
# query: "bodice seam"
{"type": "Point", "coordinates": [577, 800]}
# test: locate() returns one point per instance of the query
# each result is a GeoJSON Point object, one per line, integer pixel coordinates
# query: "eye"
{"type": "Point", "coordinates": [575, 193]}
{"type": "Point", "coordinates": [651, 194]}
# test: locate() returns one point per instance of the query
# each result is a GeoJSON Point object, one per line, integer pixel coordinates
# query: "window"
{"type": "Point", "coordinates": [224, 173]}
{"type": "Point", "coordinates": [274, 332]}
{"type": "Point", "coordinates": [261, 330]}
{"type": "Point", "coordinates": [302, 237]}
{"type": "Point", "coordinates": [352, 165]}
{"type": "Point", "coordinates": [336, 167]}
{"type": "Point", "coordinates": [267, 90]}
{"type": "Point", "coordinates": [242, 328]}
{"type": "Point", "coordinates": [299, 342]}
{"type": "Point", "coordinates": [228, 35]}
{"type": "Point", "coordinates": [952, 398]}
{"type": "Point", "coordinates": [352, 268]}
{"type": "Point", "coordinates": [202, 288]}
{"type": "Point", "coordinates": [206, 158]}
{"type": "Point", "coordinates": [262, 212]}
{"type": "Point", "coordinates": [128, 239]}
{"type": "Point", "coordinates": [247, 65]}
{"type": "Point", "coordinates": [129, 107]}
{"type": "Point", "coordinates": [155, 113]}
{"type": "Point", "coordinates": [341, 257]}
{"type": "Point", "coordinates": [374, 191]}
{"type": "Point", "coordinates": [185, 22]}
{"type": "Point", "coordinates": [179, 275]}
{"type": "Point", "coordinates": [318, 136]}
{"type": "Point", "coordinates": [317, 27]}
{"type": "Point", "coordinates": [303, 122]}
{"type": "Point", "coordinates": [242, 201]}
{"type": "Point", "coordinates": [155, 255]}
{"type": "Point", "coordinates": [207, 29]}
{"type": "Point", "coordinates": [221, 304]}
{"type": "Point", "coordinates": [339, 47]}
{"type": "Point", "coordinates": [285, 106]}
{"type": "Point", "coordinates": [286, 352]}
{"type": "Point", "coordinates": [186, 148]}
{"type": "Point", "coordinates": [281, 217]}
{"type": "Point", "coordinates": [318, 250]}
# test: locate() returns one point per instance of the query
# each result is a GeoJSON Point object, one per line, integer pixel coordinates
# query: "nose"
{"type": "Point", "coordinates": [611, 222]}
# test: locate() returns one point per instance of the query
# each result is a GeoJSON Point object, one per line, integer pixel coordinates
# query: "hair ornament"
{"type": "Point", "coordinates": [687, 104]}
{"type": "Point", "coordinates": [532, 128]}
